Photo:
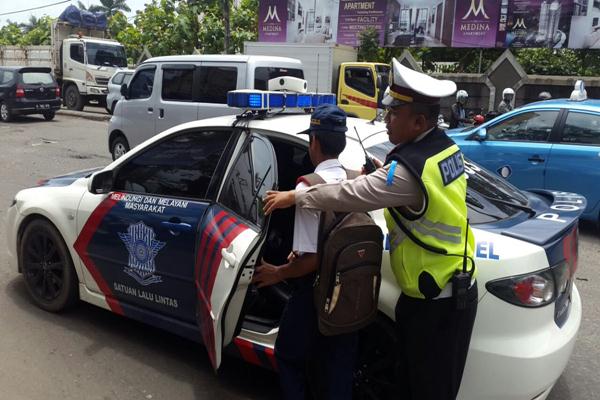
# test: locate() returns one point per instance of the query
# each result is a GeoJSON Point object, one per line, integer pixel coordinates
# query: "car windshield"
{"type": "Point", "coordinates": [262, 75]}
{"type": "Point", "coordinates": [106, 54]}
{"type": "Point", "coordinates": [489, 198]}
{"type": "Point", "coordinates": [37, 78]}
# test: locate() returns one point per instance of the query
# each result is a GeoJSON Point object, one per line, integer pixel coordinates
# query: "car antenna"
{"type": "Point", "coordinates": [369, 164]}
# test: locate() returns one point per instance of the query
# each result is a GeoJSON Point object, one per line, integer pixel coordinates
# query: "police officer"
{"type": "Point", "coordinates": [506, 104]}
{"type": "Point", "coordinates": [458, 116]}
{"type": "Point", "coordinates": [422, 188]}
{"type": "Point", "coordinates": [298, 337]}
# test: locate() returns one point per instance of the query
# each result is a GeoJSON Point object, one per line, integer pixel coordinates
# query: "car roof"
{"type": "Point", "coordinates": [589, 104]}
{"type": "Point", "coordinates": [220, 58]}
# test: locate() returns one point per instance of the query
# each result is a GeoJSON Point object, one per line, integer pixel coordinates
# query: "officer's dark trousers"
{"type": "Point", "coordinates": [299, 340]}
{"type": "Point", "coordinates": [433, 340]}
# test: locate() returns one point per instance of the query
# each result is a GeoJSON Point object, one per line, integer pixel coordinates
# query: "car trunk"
{"type": "Point", "coordinates": [37, 83]}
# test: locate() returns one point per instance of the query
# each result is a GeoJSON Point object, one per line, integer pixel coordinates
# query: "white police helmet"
{"type": "Point", "coordinates": [410, 86]}
{"type": "Point", "coordinates": [462, 96]}
{"type": "Point", "coordinates": [508, 92]}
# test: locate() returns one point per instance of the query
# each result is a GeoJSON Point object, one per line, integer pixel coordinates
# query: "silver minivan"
{"type": "Point", "coordinates": [168, 91]}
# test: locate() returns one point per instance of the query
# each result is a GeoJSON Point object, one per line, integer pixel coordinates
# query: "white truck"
{"type": "Point", "coordinates": [332, 68]}
{"type": "Point", "coordinates": [82, 61]}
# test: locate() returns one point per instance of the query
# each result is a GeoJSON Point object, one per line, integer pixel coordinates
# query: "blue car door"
{"type": "Point", "coordinates": [138, 243]}
{"type": "Point", "coordinates": [517, 147]}
{"type": "Point", "coordinates": [574, 163]}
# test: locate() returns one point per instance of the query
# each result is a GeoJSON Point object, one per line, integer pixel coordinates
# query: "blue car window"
{"type": "Point", "coordinates": [533, 126]}
{"type": "Point", "coordinates": [581, 128]}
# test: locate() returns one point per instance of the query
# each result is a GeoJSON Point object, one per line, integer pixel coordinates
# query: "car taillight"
{"type": "Point", "coordinates": [57, 91]}
{"type": "Point", "coordinates": [20, 92]}
{"type": "Point", "coordinates": [535, 289]}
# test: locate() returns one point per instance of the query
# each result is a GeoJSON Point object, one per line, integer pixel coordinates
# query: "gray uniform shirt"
{"type": "Point", "coordinates": [365, 193]}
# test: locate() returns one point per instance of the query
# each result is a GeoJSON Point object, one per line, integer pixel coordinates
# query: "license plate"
{"type": "Point", "coordinates": [42, 106]}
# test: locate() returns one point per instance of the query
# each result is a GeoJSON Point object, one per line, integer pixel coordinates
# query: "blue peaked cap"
{"type": "Point", "coordinates": [327, 118]}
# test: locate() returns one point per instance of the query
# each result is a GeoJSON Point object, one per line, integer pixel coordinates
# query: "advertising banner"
{"type": "Point", "coordinates": [355, 16]}
{"type": "Point", "coordinates": [475, 23]}
{"type": "Point", "coordinates": [434, 23]}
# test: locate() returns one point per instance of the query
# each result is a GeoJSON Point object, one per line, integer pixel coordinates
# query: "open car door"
{"type": "Point", "coordinates": [232, 234]}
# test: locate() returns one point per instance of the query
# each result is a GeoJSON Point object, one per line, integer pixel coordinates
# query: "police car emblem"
{"type": "Point", "coordinates": [143, 248]}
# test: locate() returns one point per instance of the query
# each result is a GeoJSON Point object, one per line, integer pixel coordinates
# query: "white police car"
{"type": "Point", "coordinates": [169, 234]}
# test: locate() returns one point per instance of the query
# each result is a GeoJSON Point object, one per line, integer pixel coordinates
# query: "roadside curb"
{"type": "Point", "coordinates": [85, 115]}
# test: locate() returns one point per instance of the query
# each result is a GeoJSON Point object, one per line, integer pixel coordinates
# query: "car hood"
{"type": "Point", "coordinates": [67, 179]}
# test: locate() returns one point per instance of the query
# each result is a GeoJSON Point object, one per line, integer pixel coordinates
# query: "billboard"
{"type": "Point", "coordinates": [434, 23]}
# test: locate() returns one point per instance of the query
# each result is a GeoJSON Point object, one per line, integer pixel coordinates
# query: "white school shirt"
{"type": "Point", "coordinates": [306, 220]}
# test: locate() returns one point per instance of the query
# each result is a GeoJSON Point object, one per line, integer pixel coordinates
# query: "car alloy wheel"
{"type": "Point", "coordinates": [47, 267]}
{"type": "Point", "coordinates": [4, 112]}
{"type": "Point", "coordinates": [119, 147]}
{"type": "Point", "coordinates": [375, 373]}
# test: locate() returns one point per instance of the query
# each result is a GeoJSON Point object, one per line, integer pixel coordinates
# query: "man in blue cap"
{"type": "Point", "coordinates": [298, 330]}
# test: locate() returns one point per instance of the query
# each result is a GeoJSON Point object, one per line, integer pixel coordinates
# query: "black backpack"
{"type": "Point", "coordinates": [346, 289]}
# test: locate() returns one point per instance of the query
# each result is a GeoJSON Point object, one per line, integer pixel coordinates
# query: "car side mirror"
{"type": "Point", "coordinates": [379, 82]}
{"type": "Point", "coordinates": [480, 135]}
{"type": "Point", "coordinates": [101, 182]}
{"type": "Point", "coordinates": [124, 91]}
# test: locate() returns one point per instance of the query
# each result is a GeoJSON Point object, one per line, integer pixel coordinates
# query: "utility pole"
{"type": "Point", "coordinates": [227, 37]}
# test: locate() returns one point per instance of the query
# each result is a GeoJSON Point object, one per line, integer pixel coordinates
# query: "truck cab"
{"type": "Point", "coordinates": [83, 65]}
{"type": "Point", "coordinates": [360, 88]}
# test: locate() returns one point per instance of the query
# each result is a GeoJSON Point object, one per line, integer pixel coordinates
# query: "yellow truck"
{"type": "Point", "coordinates": [332, 68]}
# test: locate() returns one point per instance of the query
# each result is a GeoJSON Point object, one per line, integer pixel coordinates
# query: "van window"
{"type": "Point", "coordinates": [360, 79]}
{"type": "Point", "coordinates": [262, 75]}
{"type": "Point", "coordinates": [177, 84]}
{"type": "Point", "coordinates": [141, 85]}
{"type": "Point", "coordinates": [76, 52]}
{"type": "Point", "coordinates": [118, 78]}
{"type": "Point", "coordinates": [215, 82]}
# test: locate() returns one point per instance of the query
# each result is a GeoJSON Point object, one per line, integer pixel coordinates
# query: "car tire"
{"type": "Point", "coordinates": [5, 112]}
{"type": "Point", "coordinates": [73, 100]}
{"type": "Point", "coordinates": [47, 267]}
{"type": "Point", "coordinates": [49, 115]}
{"type": "Point", "coordinates": [375, 372]}
{"type": "Point", "coordinates": [119, 147]}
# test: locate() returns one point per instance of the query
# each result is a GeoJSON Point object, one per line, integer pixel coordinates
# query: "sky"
{"type": "Point", "coordinates": [53, 11]}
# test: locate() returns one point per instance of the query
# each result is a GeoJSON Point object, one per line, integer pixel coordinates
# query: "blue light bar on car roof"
{"type": "Point", "coordinates": [263, 100]}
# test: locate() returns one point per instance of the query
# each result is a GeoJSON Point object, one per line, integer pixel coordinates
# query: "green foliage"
{"type": "Point", "coordinates": [368, 49]}
{"type": "Point", "coordinates": [550, 62]}
{"type": "Point", "coordinates": [10, 34]}
{"type": "Point", "coordinates": [110, 7]}
{"type": "Point", "coordinates": [39, 34]}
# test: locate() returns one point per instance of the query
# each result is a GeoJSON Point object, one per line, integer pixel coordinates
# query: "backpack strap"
{"type": "Point", "coordinates": [311, 179]}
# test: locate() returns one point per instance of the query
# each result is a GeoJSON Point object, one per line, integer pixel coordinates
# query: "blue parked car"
{"type": "Point", "coordinates": [553, 144]}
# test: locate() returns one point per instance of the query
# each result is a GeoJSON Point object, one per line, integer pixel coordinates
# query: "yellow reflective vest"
{"type": "Point", "coordinates": [419, 237]}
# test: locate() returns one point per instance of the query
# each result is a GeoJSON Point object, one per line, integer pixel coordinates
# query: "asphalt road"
{"type": "Point", "coordinates": [89, 353]}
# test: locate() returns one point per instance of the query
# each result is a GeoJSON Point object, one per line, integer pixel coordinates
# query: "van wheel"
{"type": "Point", "coordinates": [375, 373]}
{"type": "Point", "coordinates": [49, 115]}
{"type": "Point", "coordinates": [73, 100]}
{"type": "Point", "coordinates": [47, 267]}
{"type": "Point", "coordinates": [119, 147]}
{"type": "Point", "coordinates": [5, 113]}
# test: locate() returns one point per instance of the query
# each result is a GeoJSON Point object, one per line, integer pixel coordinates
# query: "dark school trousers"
{"type": "Point", "coordinates": [433, 341]}
{"type": "Point", "coordinates": [299, 342]}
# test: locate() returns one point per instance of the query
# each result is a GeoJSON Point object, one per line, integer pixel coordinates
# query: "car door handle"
{"type": "Point", "coordinates": [176, 226]}
{"type": "Point", "coordinates": [228, 256]}
{"type": "Point", "coordinates": [536, 158]}
{"type": "Point", "coordinates": [150, 110]}
{"type": "Point", "coordinates": [161, 113]}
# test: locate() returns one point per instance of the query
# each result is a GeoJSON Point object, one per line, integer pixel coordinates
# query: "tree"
{"type": "Point", "coordinates": [10, 34]}
{"type": "Point", "coordinates": [39, 34]}
{"type": "Point", "coordinates": [368, 49]}
{"type": "Point", "coordinates": [110, 7]}
{"type": "Point", "coordinates": [30, 24]}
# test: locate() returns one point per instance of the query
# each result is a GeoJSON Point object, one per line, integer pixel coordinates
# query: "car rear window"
{"type": "Point", "coordinates": [39, 78]}
{"type": "Point", "coordinates": [487, 194]}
